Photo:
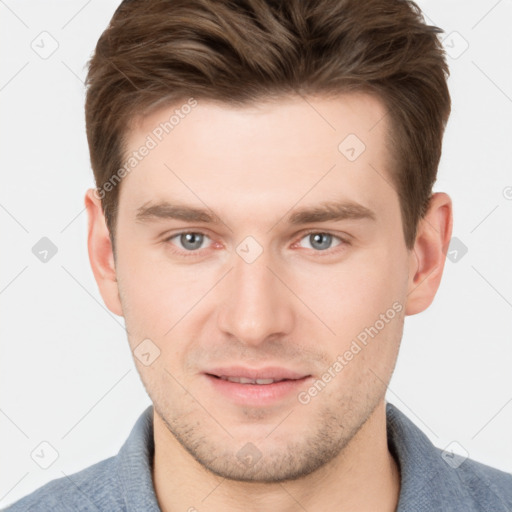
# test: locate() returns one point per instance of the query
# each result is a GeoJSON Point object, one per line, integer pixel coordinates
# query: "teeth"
{"type": "Point", "coordinates": [244, 380]}
{"type": "Point", "coordinates": [264, 381]}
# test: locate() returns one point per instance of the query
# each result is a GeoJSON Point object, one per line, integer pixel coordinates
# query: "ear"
{"type": "Point", "coordinates": [101, 255]}
{"type": "Point", "coordinates": [426, 260]}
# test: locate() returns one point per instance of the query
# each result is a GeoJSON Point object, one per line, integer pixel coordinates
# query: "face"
{"type": "Point", "coordinates": [295, 268]}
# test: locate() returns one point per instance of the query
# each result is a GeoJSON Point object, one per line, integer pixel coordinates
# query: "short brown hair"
{"type": "Point", "coordinates": [158, 52]}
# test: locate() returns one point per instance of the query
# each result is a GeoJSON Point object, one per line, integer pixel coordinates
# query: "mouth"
{"type": "Point", "coordinates": [256, 387]}
{"type": "Point", "coordinates": [247, 375]}
{"type": "Point", "coordinates": [247, 380]}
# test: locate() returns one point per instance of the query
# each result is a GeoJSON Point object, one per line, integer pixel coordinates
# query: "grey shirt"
{"type": "Point", "coordinates": [431, 480]}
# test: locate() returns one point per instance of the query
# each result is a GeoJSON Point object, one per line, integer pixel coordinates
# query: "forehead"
{"type": "Point", "coordinates": [277, 153]}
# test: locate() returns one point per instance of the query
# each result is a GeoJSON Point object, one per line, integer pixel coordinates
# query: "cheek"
{"type": "Point", "coordinates": [146, 297]}
{"type": "Point", "coordinates": [160, 300]}
{"type": "Point", "coordinates": [351, 295]}
{"type": "Point", "coordinates": [361, 301]}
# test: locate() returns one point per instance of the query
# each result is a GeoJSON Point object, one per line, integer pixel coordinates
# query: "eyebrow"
{"type": "Point", "coordinates": [323, 212]}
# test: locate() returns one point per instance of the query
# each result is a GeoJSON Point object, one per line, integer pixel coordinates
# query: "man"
{"type": "Point", "coordinates": [264, 221]}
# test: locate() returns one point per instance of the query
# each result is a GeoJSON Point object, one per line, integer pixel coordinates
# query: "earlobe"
{"type": "Point", "coordinates": [101, 255]}
{"type": "Point", "coordinates": [429, 254]}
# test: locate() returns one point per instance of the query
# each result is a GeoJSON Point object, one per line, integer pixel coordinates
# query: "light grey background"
{"type": "Point", "coordinates": [67, 376]}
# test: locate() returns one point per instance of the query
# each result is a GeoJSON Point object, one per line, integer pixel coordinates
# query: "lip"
{"type": "Point", "coordinates": [256, 394]}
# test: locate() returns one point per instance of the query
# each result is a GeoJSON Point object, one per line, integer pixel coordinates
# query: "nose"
{"type": "Point", "coordinates": [255, 305]}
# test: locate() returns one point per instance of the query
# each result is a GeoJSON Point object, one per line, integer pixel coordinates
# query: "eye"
{"type": "Point", "coordinates": [189, 243]}
{"type": "Point", "coordinates": [189, 240]}
{"type": "Point", "coordinates": [321, 241]}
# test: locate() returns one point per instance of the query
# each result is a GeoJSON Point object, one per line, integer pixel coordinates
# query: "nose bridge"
{"type": "Point", "coordinates": [255, 305]}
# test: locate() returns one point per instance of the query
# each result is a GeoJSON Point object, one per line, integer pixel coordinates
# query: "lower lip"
{"type": "Point", "coordinates": [257, 394]}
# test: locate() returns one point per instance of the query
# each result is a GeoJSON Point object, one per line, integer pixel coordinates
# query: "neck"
{"type": "Point", "coordinates": [364, 477]}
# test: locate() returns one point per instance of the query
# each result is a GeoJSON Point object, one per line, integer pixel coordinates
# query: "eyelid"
{"type": "Point", "coordinates": [310, 231]}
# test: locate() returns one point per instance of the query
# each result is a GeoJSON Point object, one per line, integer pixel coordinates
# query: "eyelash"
{"type": "Point", "coordinates": [197, 253]}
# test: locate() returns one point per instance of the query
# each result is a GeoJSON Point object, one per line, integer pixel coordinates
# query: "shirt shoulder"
{"type": "Point", "coordinates": [486, 485]}
{"type": "Point", "coordinates": [121, 483]}
{"type": "Point", "coordinates": [436, 479]}
{"type": "Point", "coordinates": [91, 489]}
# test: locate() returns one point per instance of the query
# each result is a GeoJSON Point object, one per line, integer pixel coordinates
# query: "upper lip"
{"type": "Point", "coordinates": [269, 372]}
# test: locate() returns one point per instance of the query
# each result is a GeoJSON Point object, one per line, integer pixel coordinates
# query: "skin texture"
{"type": "Point", "coordinates": [295, 306]}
